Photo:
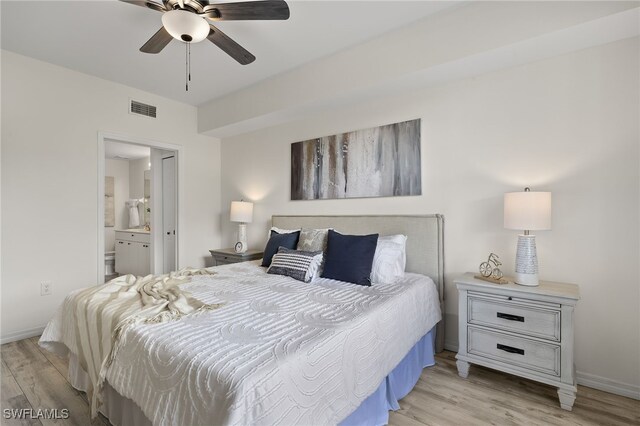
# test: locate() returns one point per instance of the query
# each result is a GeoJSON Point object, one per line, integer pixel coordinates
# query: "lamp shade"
{"type": "Point", "coordinates": [527, 210]}
{"type": "Point", "coordinates": [185, 26]}
{"type": "Point", "coordinates": [241, 211]}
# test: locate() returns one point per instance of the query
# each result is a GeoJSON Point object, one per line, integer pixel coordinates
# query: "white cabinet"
{"type": "Point", "coordinates": [143, 254]}
{"type": "Point", "coordinates": [122, 257]}
{"type": "Point", "coordinates": [133, 253]}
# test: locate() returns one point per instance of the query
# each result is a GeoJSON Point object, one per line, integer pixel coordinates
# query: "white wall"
{"type": "Point", "coordinates": [119, 169]}
{"type": "Point", "coordinates": [567, 124]}
{"type": "Point", "coordinates": [50, 121]}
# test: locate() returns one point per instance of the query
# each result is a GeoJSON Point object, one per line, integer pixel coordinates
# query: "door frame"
{"type": "Point", "coordinates": [134, 140]}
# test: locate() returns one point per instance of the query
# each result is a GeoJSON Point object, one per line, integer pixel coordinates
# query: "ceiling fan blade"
{"type": "Point", "coordinates": [157, 42]}
{"type": "Point", "coordinates": [246, 11]}
{"type": "Point", "coordinates": [229, 46]}
{"type": "Point", "coordinates": [147, 4]}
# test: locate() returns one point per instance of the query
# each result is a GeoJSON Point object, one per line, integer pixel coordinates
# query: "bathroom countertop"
{"type": "Point", "coordinates": [135, 230]}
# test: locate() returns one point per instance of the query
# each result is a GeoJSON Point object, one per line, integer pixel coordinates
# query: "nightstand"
{"type": "Point", "coordinates": [526, 331]}
{"type": "Point", "coordinates": [227, 256]}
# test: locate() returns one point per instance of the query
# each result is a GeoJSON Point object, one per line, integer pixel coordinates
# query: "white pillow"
{"type": "Point", "coordinates": [315, 269]}
{"type": "Point", "coordinates": [389, 260]}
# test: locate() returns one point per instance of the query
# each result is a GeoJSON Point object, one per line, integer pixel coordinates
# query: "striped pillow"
{"type": "Point", "coordinates": [297, 264]}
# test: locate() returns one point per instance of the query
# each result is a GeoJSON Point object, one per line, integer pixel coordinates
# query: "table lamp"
{"type": "Point", "coordinates": [242, 212]}
{"type": "Point", "coordinates": [527, 211]}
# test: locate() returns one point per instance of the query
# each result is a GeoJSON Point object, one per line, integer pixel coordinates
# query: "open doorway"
{"type": "Point", "coordinates": [138, 207]}
{"type": "Point", "coordinates": [127, 209]}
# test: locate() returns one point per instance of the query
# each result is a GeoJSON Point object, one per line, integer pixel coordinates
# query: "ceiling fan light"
{"type": "Point", "coordinates": [185, 26]}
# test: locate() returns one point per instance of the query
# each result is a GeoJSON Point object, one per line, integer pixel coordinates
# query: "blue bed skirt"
{"type": "Point", "coordinates": [375, 409]}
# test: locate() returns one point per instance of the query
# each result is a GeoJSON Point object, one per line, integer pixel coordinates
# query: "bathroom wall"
{"type": "Point", "coordinates": [119, 169]}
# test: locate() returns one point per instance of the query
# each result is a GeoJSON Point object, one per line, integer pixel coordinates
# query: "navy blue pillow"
{"type": "Point", "coordinates": [350, 257]}
{"type": "Point", "coordinates": [276, 241]}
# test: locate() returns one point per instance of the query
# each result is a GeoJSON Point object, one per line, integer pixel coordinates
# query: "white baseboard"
{"type": "Point", "coordinates": [19, 335]}
{"type": "Point", "coordinates": [608, 385]}
{"type": "Point", "coordinates": [588, 380]}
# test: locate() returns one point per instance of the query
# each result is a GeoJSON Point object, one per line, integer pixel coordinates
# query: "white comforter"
{"type": "Point", "coordinates": [279, 352]}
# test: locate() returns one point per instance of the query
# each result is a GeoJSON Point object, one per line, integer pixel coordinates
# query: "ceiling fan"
{"type": "Point", "coordinates": [190, 21]}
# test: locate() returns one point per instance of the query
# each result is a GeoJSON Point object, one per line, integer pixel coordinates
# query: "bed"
{"type": "Point", "coordinates": [281, 351]}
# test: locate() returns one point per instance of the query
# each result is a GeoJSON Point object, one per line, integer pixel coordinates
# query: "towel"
{"type": "Point", "coordinates": [134, 215]}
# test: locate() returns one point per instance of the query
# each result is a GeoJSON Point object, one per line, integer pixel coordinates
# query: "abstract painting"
{"type": "Point", "coordinates": [109, 204]}
{"type": "Point", "coordinates": [377, 162]}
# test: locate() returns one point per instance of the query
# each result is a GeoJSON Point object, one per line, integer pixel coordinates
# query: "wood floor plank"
{"type": "Point", "coordinates": [441, 397]}
{"type": "Point", "coordinates": [60, 363]}
{"type": "Point", "coordinates": [14, 399]}
{"type": "Point", "coordinates": [399, 419]}
{"type": "Point", "coordinates": [625, 410]}
{"type": "Point", "coordinates": [43, 385]}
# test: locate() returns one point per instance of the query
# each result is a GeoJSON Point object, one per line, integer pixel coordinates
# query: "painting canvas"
{"type": "Point", "coordinates": [109, 205]}
{"type": "Point", "coordinates": [377, 162]}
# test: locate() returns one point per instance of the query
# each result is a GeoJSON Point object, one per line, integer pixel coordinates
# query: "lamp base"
{"type": "Point", "coordinates": [527, 261]}
{"type": "Point", "coordinates": [527, 279]}
{"type": "Point", "coordinates": [242, 238]}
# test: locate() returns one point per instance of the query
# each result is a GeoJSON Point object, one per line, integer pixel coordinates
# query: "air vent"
{"type": "Point", "coordinates": [139, 108]}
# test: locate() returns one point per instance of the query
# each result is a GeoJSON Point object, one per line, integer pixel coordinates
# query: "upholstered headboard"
{"type": "Point", "coordinates": [425, 241]}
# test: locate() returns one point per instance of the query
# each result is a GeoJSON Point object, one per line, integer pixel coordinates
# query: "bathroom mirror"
{"type": "Point", "coordinates": [147, 197]}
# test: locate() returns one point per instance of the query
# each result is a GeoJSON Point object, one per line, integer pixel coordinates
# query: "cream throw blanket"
{"type": "Point", "coordinates": [102, 315]}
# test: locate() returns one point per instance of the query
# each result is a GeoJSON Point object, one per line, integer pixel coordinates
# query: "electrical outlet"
{"type": "Point", "coordinates": [46, 288]}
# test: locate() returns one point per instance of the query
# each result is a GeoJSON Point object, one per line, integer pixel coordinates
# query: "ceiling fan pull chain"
{"type": "Point", "coordinates": [189, 61]}
{"type": "Point", "coordinates": [186, 66]}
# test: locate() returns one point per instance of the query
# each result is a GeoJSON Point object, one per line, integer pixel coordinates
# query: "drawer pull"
{"type": "Point", "coordinates": [510, 349]}
{"type": "Point", "coordinates": [510, 317]}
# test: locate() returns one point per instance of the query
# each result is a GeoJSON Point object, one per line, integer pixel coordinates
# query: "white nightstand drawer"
{"type": "Point", "coordinates": [517, 316]}
{"type": "Point", "coordinates": [517, 351]}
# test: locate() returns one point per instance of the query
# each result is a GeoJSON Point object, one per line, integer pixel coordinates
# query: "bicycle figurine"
{"type": "Point", "coordinates": [486, 270]}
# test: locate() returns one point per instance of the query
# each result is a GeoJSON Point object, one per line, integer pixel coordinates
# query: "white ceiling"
{"type": "Point", "coordinates": [122, 151]}
{"type": "Point", "coordinates": [102, 38]}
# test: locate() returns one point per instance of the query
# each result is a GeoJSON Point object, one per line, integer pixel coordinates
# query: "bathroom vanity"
{"type": "Point", "coordinates": [133, 252]}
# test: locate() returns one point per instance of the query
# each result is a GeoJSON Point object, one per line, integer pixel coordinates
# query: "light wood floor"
{"type": "Point", "coordinates": [35, 378]}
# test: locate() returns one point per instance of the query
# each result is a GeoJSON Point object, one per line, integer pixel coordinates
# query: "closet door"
{"type": "Point", "coordinates": [169, 213]}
